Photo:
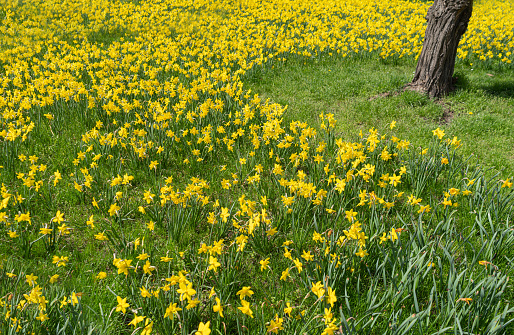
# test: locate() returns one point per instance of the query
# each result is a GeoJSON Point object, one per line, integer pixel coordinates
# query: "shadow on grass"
{"type": "Point", "coordinates": [496, 85]}
{"type": "Point", "coordinates": [504, 89]}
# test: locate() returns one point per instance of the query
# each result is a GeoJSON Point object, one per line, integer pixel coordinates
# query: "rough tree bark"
{"type": "Point", "coordinates": [447, 22]}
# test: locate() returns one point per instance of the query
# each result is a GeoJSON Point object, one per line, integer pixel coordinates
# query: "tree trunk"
{"type": "Point", "coordinates": [447, 22]}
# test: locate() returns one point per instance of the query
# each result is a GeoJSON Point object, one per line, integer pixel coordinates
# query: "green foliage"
{"type": "Point", "coordinates": [146, 188]}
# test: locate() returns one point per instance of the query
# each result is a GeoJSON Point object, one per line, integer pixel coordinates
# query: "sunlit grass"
{"type": "Point", "coordinates": [363, 93]}
{"type": "Point", "coordinates": [146, 188]}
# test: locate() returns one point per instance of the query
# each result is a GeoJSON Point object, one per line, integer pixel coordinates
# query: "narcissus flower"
{"type": "Point", "coordinates": [136, 320]}
{"type": "Point", "coordinates": [31, 279]}
{"type": "Point", "coordinates": [59, 217]}
{"type": "Point", "coordinates": [218, 308]}
{"type": "Point", "coordinates": [101, 275]}
{"type": "Point", "coordinates": [213, 264]}
{"type": "Point", "coordinates": [264, 263]}
{"type": "Point", "coordinates": [42, 317]}
{"type": "Point", "coordinates": [331, 296]}
{"type": "Point", "coordinates": [285, 274]}
{"type": "Point", "coordinates": [114, 209]}
{"type": "Point", "coordinates": [101, 237]}
{"type": "Point", "coordinates": [318, 289]}
{"type": "Point", "coordinates": [275, 325]}
{"type": "Point", "coordinates": [507, 183]}
{"type": "Point", "coordinates": [438, 132]}
{"type": "Point", "coordinates": [122, 304]}
{"type": "Point", "coordinates": [171, 311]}
{"type": "Point", "coordinates": [244, 292]}
{"type": "Point", "coordinates": [245, 309]}
{"type": "Point", "coordinates": [203, 328]}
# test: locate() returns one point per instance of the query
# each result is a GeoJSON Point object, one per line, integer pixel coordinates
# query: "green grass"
{"type": "Point", "coordinates": [363, 93]}
{"type": "Point", "coordinates": [378, 292]}
{"type": "Point", "coordinates": [381, 293]}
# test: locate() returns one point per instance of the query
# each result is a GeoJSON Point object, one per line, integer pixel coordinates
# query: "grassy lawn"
{"type": "Point", "coordinates": [363, 93]}
{"type": "Point", "coordinates": [227, 167]}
